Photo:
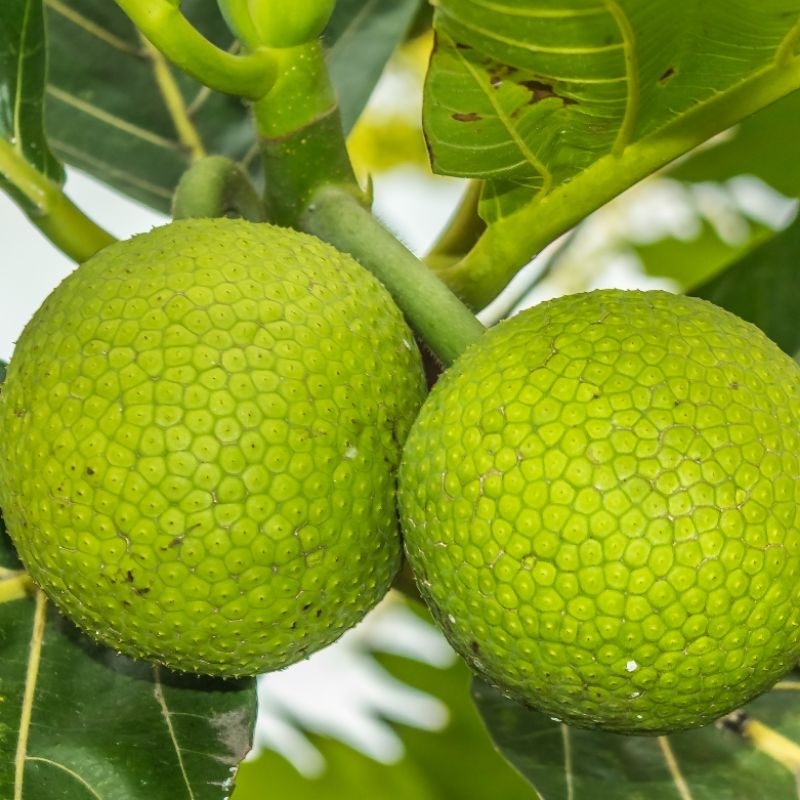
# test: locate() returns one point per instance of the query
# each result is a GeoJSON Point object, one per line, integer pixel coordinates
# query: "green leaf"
{"type": "Point", "coordinates": [456, 763]}
{"type": "Point", "coordinates": [763, 287]}
{"type": "Point", "coordinates": [106, 107]}
{"type": "Point", "coordinates": [764, 145]}
{"type": "Point", "coordinates": [709, 763]}
{"type": "Point", "coordinates": [22, 82]}
{"type": "Point", "coordinates": [559, 106]}
{"type": "Point", "coordinates": [359, 40]}
{"type": "Point", "coordinates": [78, 722]}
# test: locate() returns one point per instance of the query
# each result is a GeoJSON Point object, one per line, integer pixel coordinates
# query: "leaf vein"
{"type": "Point", "coordinates": [92, 28]}
{"type": "Point", "coordinates": [528, 155]}
{"type": "Point", "coordinates": [158, 693]}
{"type": "Point", "coordinates": [674, 769]}
{"type": "Point", "coordinates": [71, 772]}
{"type": "Point", "coordinates": [31, 676]}
{"type": "Point", "coordinates": [81, 156]}
{"type": "Point", "coordinates": [111, 120]}
{"type": "Point", "coordinates": [785, 54]}
{"type": "Point", "coordinates": [542, 13]}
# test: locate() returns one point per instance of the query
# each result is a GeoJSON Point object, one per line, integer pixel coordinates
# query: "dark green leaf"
{"type": "Point", "coordinates": [360, 38]}
{"type": "Point", "coordinates": [103, 726]}
{"type": "Point", "coordinates": [709, 763]}
{"type": "Point", "coordinates": [764, 288]}
{"type": "Point", "coordinates": [106, 112]}
{"type": "Point", "coordinates": [22, 83]}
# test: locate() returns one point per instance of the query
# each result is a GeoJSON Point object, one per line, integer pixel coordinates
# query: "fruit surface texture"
{"type": "Point", "coordinates": [201, 431]}
{"type": "Point", "coordinates": [600, 504]}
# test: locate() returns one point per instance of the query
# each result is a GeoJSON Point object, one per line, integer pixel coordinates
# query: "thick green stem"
{"type": "Point", "coordinates": [250, 75]}
{"type": "Point", "coordinates": [300, 131]}
{"type": "Point", "coordinates": [45, 203]}
{"type": "Point", "coordinates": [439, 317]}
{"type": "Point", "coordinates": [217, 187]}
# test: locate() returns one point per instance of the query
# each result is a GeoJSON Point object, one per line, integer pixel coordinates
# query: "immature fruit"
{"type": "Point", "coordinates": [200, 432]}
{"type": "Point", "coordinates": [601, 504]}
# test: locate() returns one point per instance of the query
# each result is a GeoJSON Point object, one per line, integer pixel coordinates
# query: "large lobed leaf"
{"type": "Point", "coordinates": [559, 105]}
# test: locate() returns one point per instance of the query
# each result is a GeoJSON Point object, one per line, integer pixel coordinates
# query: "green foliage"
{"type": "Point", "coordinates": [456, 763]}
{"type": "Point", "coordinates": [553, 108]}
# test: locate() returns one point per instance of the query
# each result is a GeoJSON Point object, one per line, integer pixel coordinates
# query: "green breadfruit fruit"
{"type": "Point", "coordinates": [601, 504]}
{"type": "Point", "coordinates": [201, 430]}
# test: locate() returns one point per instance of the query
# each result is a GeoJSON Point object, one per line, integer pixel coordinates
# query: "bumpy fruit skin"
{"type": "Point", "coordinates": [201, 429]}
{"type": "Point", "coordinates": [600, 503]}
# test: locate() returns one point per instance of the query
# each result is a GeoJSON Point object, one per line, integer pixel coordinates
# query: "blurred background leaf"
{"type": "Point", "coordinates": [763, 145]}
{"type": "Point", "coordinates": [764, 288]}
{"type": "Point", "coordinates": [360, 39]}
{"type": "Point", "coordinates": [456, 763]}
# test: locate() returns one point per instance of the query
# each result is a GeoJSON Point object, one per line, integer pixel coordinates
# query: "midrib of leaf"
{"type": "Point", "coordinates": [785, 54]}
{"type": "Point", "coordinates": [158, 693]}
{"type": "Point", "coordinates": [17, 140]}
{"type": "Point", "coordinates": [509, 243]}
{"type": "Point", "coordinates": [674, 769]}
{"type": "Point", "coordinates": [31, 676]}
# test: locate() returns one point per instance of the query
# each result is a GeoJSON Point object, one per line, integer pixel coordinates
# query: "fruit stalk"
{"type": "Point", "coordinates": [217, 187]}
{"type": "Point", "coordinates": [161, 21]}
{"type": "Point", "coordinates": [446, 325]}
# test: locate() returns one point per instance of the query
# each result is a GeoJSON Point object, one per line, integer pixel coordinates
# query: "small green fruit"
{"type": "Point", "coordinates": [201, 428]}
{"type": "Point", "coordinates": [601, 504]}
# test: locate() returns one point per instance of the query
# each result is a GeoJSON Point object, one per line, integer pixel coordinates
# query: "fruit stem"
{"type": "Point", "coordinates": [250, 75]}
{"type": "Point", "coordinates": [217, 187]}
{"type": "Point", "coordinates": [300, 133]}
{"type": "Point", "coordinates": [446, 325]}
